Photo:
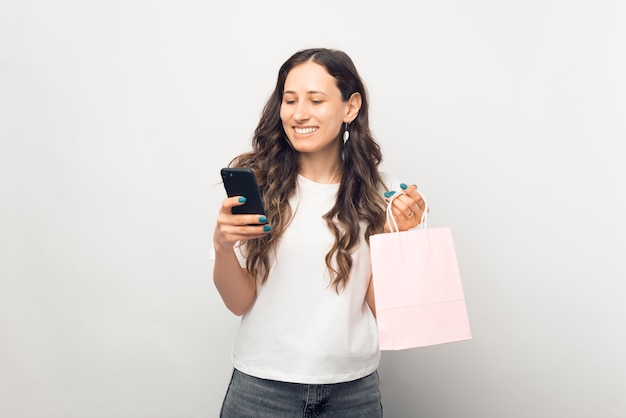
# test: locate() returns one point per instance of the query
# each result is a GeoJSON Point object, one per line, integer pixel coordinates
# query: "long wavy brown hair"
{"type": "Point", "coordinates": [275, 164]}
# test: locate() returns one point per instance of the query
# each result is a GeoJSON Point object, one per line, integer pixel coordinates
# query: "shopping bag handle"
{"type": "Point", "coordinates": [391, 219]}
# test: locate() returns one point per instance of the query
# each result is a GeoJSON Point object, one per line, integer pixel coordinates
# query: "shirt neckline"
{"type": "Point", "coordinates": [310, 184]}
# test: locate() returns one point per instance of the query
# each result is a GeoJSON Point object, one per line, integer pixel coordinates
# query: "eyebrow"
{"type": "Point", "coordinates": [308, 92]}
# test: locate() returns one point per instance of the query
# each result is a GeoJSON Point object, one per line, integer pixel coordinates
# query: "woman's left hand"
{"type": "Point", "coordinates": [407, 208]}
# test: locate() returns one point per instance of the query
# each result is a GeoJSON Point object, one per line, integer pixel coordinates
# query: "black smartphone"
{"type": "Point", "coordinates": [242, 182]}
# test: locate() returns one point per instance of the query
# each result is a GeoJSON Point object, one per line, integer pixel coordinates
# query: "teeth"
{"type": "Point", "coordinates": [305, 130]}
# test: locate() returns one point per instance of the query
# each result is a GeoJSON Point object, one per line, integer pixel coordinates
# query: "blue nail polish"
{"type": "Point", "coordinates": [267, 228]}
{"type": "Point", "coordinates": [262, 219]}
{"type": "Point", "coordinates": [242, 199]}
{"type": "Point", "coordinates": [403, 186]}
{"type": "Point", "coordinates": [386, 194]}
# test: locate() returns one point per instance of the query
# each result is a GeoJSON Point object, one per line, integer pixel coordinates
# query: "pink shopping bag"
{"type": "Point", "coordinates": [417, 287]}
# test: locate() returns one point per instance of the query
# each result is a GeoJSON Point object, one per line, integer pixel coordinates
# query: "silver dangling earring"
{"type": "Point", "coordinates": [346, 134]}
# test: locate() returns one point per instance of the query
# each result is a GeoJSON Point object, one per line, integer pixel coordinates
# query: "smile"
{"type": "Point", "coordinates": [302, 131]}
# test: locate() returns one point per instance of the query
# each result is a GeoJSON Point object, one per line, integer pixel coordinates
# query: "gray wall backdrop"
{"type": "Point", "coordinates": [116, 116]}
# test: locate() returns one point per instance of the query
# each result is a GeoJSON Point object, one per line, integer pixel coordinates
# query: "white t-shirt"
{"type": "Point", "coordinates": [299, 329]}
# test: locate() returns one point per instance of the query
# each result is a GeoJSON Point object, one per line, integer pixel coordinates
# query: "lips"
{"type": "Point", "coordinates": [304, 131]}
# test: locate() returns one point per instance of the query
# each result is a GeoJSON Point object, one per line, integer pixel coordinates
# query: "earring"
{"type": "Point", "coordinates": [346, 134]}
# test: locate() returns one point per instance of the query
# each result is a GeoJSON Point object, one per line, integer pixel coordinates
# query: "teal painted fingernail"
{"type": "Point", "coordinates": [262, 219]}
{"type": "Point", "coordinates": [389, 194]}
{"type": "Point", "coordinates": [267, 228]}
{"type": "Point", "coordinates": [242, 199]}
{"type": "Point", "coordinates": [403, 186]}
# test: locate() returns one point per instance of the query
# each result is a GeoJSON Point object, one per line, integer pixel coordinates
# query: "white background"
{"type": "Point", "coordinates": [115, 118]}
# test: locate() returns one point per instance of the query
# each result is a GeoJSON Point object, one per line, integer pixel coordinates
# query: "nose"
{"type": "Point", "coordinates": [301, 112]}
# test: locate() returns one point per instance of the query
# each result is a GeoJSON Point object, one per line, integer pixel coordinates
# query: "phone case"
{"type": "Point", "coordinates": [242, 182]}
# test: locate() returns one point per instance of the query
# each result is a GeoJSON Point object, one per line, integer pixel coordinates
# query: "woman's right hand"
{"type": "Point", "coordinates": [232, 228]}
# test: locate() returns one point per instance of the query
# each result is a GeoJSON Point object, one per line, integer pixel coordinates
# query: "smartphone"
{"type": "Point", "coordinates": [242, 182]}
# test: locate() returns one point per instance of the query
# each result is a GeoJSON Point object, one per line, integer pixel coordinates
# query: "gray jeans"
{"type": "Point", "coordinates": [248, 396]}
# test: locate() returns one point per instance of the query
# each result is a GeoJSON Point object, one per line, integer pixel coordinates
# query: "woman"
{"type": "Point", "coordinates": [301, 275]}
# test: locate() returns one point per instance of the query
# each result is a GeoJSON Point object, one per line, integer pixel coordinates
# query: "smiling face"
{"type": "Point", "coordinates": [313, 110]}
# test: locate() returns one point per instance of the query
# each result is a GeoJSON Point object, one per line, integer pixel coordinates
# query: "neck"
{"type": "Point", "coordinates": [320, 169]}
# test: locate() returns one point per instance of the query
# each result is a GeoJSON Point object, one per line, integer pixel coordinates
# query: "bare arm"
{"type": "Point", "coordinates": [236, 287]}
{"type": "Point", "coordinates": [369, 297]}
{"type": "Point", "coordinates": [234, 284]}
